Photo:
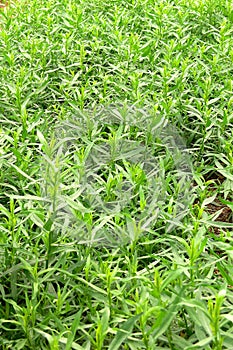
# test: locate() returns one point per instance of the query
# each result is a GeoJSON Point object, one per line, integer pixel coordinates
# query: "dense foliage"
{"type": "Point", "coordinates": [84, 88]}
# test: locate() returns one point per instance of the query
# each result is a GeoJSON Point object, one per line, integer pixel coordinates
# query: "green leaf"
{"type": "Point", "coordinates": [124, 332]}
{"type": "Point", "coordinates": [165, 318]}
{"type": "Point", "coordinates": [42, 138]}
{"type": "Point", "coordinates": [228, 203]}
{"type": "Point", "coordinates": [74, 327]}
{"type": "Point", "coordinates": [200, 344]}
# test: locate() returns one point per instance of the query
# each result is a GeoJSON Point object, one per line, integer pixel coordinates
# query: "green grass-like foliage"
{"type": "Point", "coordinates": [162, 288]}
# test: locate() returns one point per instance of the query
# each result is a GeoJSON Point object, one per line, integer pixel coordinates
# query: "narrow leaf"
{"type": "Point", "coordinates": [124, 332]}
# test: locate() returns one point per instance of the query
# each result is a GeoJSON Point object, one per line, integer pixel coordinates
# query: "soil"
{"type": "Point", "coordinates": [225, 213]}
{"type": "Point", "coordinates": [4, 3]}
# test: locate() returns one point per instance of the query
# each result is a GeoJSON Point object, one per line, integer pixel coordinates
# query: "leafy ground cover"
{"type": "Point", "coordinates": [84, 89]}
